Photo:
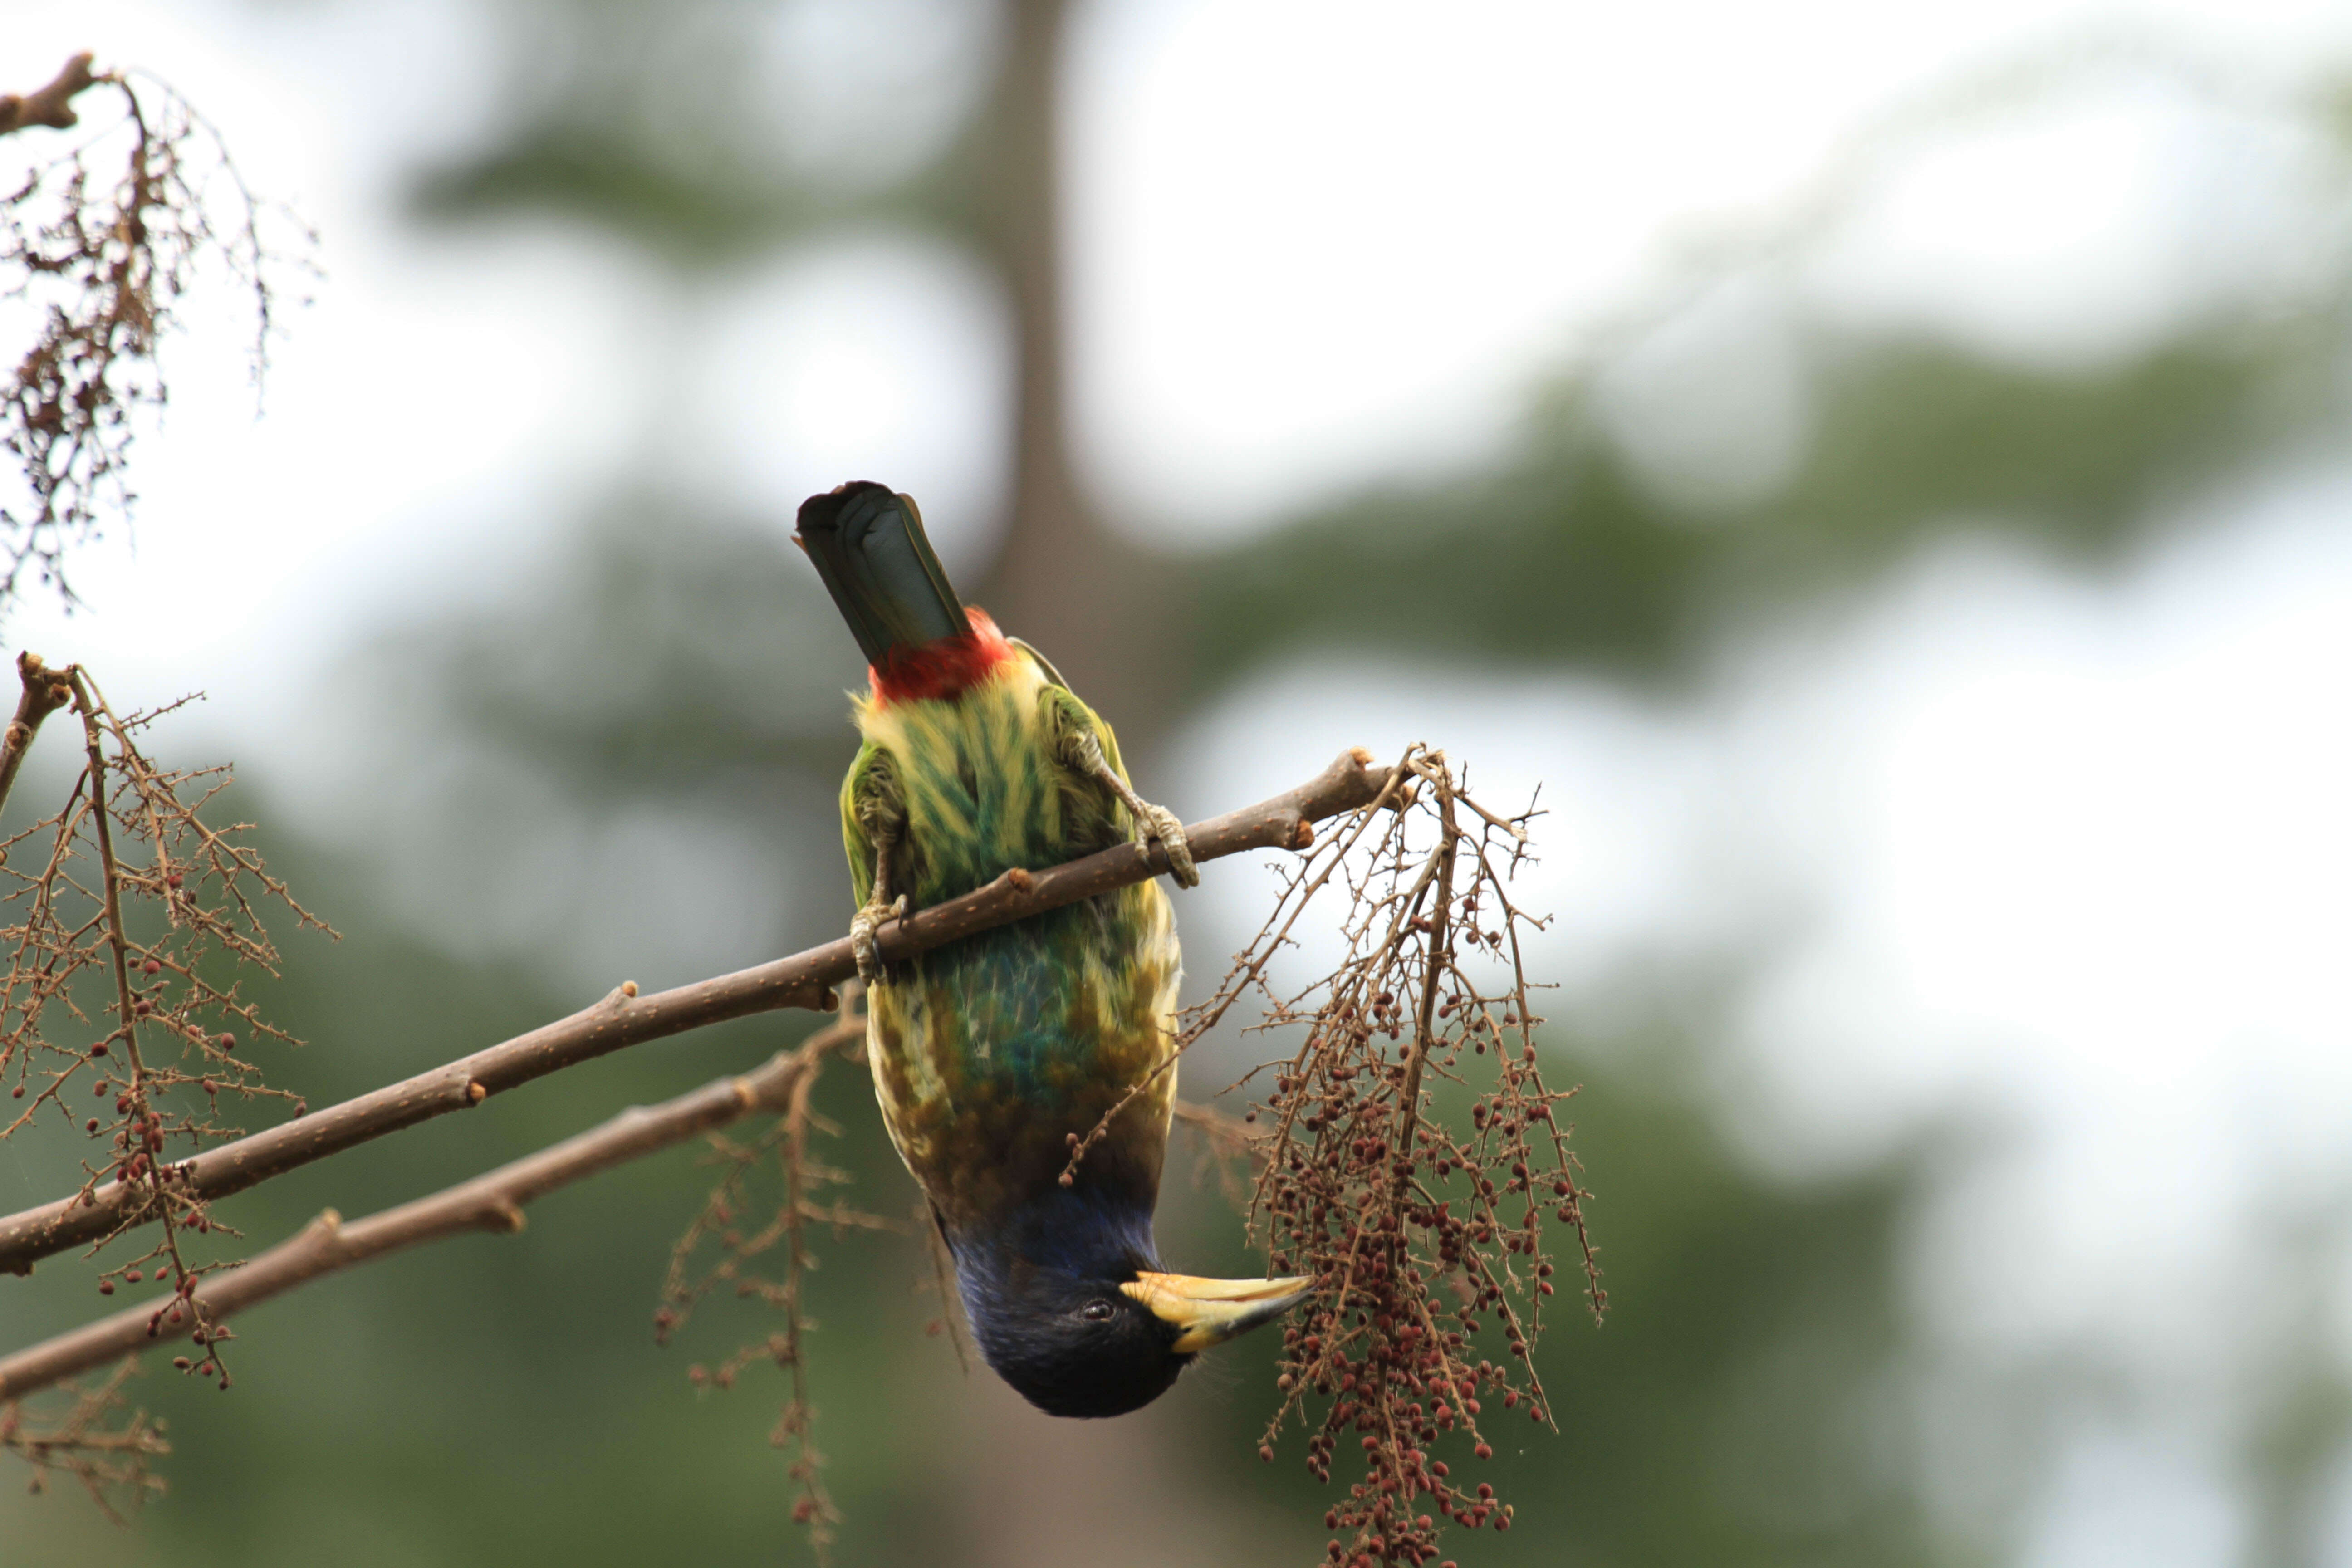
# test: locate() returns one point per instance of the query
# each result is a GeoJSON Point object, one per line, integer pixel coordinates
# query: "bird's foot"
{"type": "Point", "coordinates": [1158, 822]}
{"type": "Point", "coordinates": [1085, 754]}
{"type": "Point", "coordinates": [864, 925]}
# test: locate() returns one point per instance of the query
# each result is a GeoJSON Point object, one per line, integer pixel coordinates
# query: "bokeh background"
{"type": "Point", "coordinates": [1883, 471]}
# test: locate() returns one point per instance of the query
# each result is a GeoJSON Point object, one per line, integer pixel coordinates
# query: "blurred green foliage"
{"type": "Point", "coordinates": [1561, 554]}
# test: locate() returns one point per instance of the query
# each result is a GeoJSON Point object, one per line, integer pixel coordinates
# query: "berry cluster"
{"type": "Point", "coordinates": [1428, 1239]}
{"type": "Point", "coordinates": [132, 918]}
{"type": "Point", "coordinates": [731, 1224]}
{"type": "Point", "coordinates": [100, 253]}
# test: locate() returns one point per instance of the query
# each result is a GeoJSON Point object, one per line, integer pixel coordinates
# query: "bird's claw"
{"type": "Point", "coordinates": [862, 927]}
{"type": "Point", "coordinates": [1158, 822]}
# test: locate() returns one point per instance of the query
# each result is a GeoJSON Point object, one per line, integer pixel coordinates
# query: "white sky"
{"type": "Point", "coordinates": [2076, 853]}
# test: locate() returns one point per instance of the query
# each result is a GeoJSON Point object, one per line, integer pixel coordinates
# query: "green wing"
{"type": "Point", "coordinates": [1094, 819]}
{"type": "Point", "coordinates": [873, 807]}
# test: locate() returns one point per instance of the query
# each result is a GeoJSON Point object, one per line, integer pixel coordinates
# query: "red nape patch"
{"type": "Point", "coordinates": [941, 668]}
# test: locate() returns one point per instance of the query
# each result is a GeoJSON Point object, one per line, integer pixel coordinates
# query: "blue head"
{"type": "Point", "coordinates": [1070, 1307]}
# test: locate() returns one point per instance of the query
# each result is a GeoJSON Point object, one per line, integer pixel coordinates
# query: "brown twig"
{"type": "Point", "coordinates": [625, 1018]}
{"type": "Point", "coordinates": [1223, 1132]}
{"type": "Point", "coordinates": [493, 1202]}
{"type": "Point", "coordinates": [942, 1285]}
{"type": "Point", "coordinates": [117, 940]}
{"type": "Point", "coordinates": [87, 1443]}
{"type": "Point", "coordinates": [796, 1428]}
{"type": "Point", "coordinates": [1403, 1221]}
{"type": "Point", "coordinates": [740, 1247]}
{"type": "Point", "coordinates": [1229, 1147]}
{"type": "Point", "coordinates": [136, 1092]}
{"type": "Point", "coordinates": [1245, 974]}
{"type": "Point", "coordinates": [46, 691]}
{"type": "Point", "coordinates": [167, 1002]}
{"type": "Point", "coordinates": [51, 105]}
{"type": "Point", "coordinates": [1440, 955]}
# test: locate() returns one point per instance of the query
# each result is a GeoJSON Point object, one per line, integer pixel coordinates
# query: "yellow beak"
{"type": "Point", "coordinates": [1209, 1311]}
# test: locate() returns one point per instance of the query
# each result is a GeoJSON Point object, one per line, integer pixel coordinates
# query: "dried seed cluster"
{"type": "Point", "coordinates": [97, 247]}
{"type": "Point", "coordinates": [119, 1009]}
{"type": "Point", "coordinates": [109, 1457]}
{"type": "Point", "coordinates": [731, 1222]}
{"type": "Point", "coordinates": [1430, 1241]}
{"type": "Point", "coordinates": [1426, 1241]}
{"type": "Point", "coordinates": [97, 252]}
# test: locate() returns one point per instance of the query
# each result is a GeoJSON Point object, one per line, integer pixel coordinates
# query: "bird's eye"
{"type": "Point", "coordinates": [1097, 1311]}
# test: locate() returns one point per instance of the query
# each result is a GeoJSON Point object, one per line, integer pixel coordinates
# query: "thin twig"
{"type": "Point", "coordinates": [795, 1427]}
{"type": "Point", "coordinates": [52, 104]}
{"type": "Point", "coordinates": [493, 1202]}
{"type": "Point", "coordinates": [1245, 974]}
{"type": "Point", "coordinates": [93, 739]}
{"type": "Point", "coordinates": [625, 1018]}
{"type": "Point", "coordinates": [46, 691]}
{"type": "Point", "coordinates": [1366, 1188]}
{"type": "Point", "coordinates": [109, 1457]}
{"type": "Point", "coordinates": [1441, 954]}
{"type": "Point", "coordinates": [942, 1284]}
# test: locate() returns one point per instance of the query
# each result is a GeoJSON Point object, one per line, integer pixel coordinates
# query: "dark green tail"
{"type": "Point", "coordinates": [869, 547]}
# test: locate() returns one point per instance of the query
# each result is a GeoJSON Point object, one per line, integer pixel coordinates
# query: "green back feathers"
{"type": "Point", "coordinates": [990, 1051]}
{"type": "Point", "coordinates": [869, 547]}
{"type": "Point", "coordinates": [971, 787]}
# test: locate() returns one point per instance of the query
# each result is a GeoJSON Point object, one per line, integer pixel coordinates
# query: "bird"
{"type": "Point", "coordinates": [992, 1053]}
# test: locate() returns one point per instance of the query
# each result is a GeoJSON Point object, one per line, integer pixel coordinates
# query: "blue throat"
{"type": "Point", "coordinates": [1067, 1240]}
{"type": "Point", "coordinates": [1042, 1289]}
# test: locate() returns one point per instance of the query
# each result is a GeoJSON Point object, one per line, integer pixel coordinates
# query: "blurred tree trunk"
{"type": "Point", "coordinates": [1086, 598]}
{"type": "Point", "coordinates": [1100, 607]}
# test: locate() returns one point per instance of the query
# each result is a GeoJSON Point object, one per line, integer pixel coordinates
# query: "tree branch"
{"type": "Point", "coordinates": [492, 1203]}
{"type": "Point", "coordinates": [1439, 953]}
{"type": "Point", "coordinates": [118, 939]}
{"type": "Point", "coordinates": [625, 1018]}
{"type": "Point", "coordinates": [46, 691]}
{"type": "Point", "coordinates": [51, 105]}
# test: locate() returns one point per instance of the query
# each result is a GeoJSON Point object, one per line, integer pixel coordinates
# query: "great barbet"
{"type": "Point", "coordinates": [990, 1052]}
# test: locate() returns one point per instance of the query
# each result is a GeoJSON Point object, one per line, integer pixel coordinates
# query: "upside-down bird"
{"type": "Point", "coordinates": [990, 1052]}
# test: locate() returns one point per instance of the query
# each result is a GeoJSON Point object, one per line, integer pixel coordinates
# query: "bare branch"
{"type": "Point", "coordinates": [117, 940]}
{"type": "Point", "coordinates": [492, 1203]}
{"type": "Point", "coordinates": [46, 691]}
{"type": "Point", "coordinates": [1222, 1131]}
{"type": "Point", "coordinates": [1440, 955]}
{"type": "Point", "coordinates": [51, 105]}
{"type": "Point", "coordinates": [625, 1018]}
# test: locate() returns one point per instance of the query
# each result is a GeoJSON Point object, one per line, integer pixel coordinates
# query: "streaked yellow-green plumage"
{"type": "Point", "coordinates": [987, 1052]}
{"type": "Point", "coordinates": [993, 1055]}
